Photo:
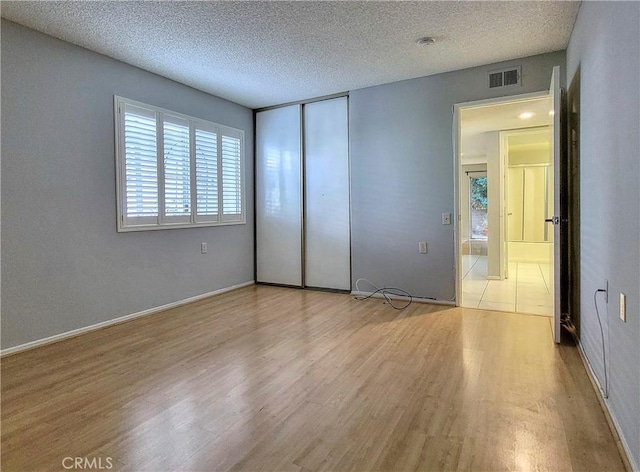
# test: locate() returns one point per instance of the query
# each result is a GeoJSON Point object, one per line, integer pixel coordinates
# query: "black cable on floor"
{"type": "Point", "coordinates": [604, 353]}
{"type": "Point", "coordinates": [386, 292]}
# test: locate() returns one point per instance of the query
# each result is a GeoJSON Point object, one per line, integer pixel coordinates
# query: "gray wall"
{"type": "Point", "coordinates": [605, 45]}
{"type": "Point", "coordinates": [64, 266]}
{"type": "Point", "coordinates": [402, 173]}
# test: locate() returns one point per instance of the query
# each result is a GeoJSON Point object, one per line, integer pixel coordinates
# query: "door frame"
{"type": "Point", "coordinates": [457, 171]}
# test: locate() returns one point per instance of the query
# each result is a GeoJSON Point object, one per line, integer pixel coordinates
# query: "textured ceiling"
{"type": "Point", "coordinates": [504, 116]}
{"type": "Point", "coordinates": [264, 53]}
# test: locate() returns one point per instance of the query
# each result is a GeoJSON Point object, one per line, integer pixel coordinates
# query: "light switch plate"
{"type": "Point", "coordinates": [422, 247]}
{"type": "Point", "coordinates": [446, 218]}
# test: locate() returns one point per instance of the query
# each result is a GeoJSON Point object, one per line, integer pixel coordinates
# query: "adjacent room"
{"type": "Point", "coordinates": [303, 236]}
{"type": "Point", "coordinates": [506, 183]}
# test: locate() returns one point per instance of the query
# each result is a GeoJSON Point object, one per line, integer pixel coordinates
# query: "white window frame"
{"type": "Point", "coordinates": [162, 221]}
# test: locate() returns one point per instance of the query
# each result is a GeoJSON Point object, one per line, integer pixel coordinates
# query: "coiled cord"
{"type": "Point", "coordinates": [387, 293]}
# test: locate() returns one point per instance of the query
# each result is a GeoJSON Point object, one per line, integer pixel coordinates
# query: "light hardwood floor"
{"type": "Point", "coordinates": [275, 379]}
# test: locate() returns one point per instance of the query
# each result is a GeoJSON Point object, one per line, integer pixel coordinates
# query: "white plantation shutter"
{"type": "Point", "coordinates": [140, 165]}
{"type": "Point", "coordinates": [206, 175]}
{"type": "Point", "coordinates": [176, 171]}
{"type": "Point", "coordinates": [231, 178]}
{"type": "Point", "coordinates": [177, 174]}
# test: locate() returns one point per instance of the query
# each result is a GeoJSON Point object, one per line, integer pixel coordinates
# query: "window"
{"type": "Point", "coordinates": [176, 171]}
{"type": "Point", "coordinates": [478, 203]}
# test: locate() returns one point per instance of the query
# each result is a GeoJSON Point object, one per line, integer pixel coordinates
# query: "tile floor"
{"type": "Point", "coordinates": [525, 291]}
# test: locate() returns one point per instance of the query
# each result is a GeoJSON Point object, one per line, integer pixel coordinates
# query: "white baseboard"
{"type": "Point", "coordinates": [399, 297]}
{"type": "Point", "coordinates": [623, 447]}
{"type": "Point", "coordinates": [121, 319]}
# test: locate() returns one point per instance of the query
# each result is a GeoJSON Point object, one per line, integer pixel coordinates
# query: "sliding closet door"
{"type": "Point", "coordinates": [326, 157]}
{"type": "Point", "coordinates": [278, 196]}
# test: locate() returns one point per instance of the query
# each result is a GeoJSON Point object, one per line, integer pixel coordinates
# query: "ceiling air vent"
{"type": "Point", "coordinates": [505, 77]}
{"type": "Point", "coordinates": [495, 80]}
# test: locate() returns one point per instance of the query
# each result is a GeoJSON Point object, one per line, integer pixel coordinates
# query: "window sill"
{"type": "Point", "coordinates": [156, 227]}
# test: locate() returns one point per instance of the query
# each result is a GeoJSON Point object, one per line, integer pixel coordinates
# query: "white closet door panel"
{"type": "Point", "coordinates": [534, 204]}
{"type": "Point", "coordinates": [327, 241]}
{"type": "Point", "coordinates": [278, 196]}
{"type": "Point", "coordinates": [515, 203]}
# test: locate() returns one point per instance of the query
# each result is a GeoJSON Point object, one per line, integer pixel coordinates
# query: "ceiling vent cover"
{"type": "Point", "coordinates": [495, 79]}
{"type": "Point", "coordinates": [505, 77]}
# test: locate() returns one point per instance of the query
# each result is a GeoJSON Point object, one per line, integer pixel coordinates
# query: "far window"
{"type": "Point", "coordinates": [478, 206]}
{"type": "Point", "coordinates": [176, 171]}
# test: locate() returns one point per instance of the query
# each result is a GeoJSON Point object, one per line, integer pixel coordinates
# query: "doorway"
{"type": "Point", "coordinates": [505, 194]}
{"type": "Point", "coordinates": [529, 204]}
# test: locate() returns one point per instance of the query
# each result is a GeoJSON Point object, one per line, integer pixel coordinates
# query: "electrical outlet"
{"type": "Point", "coordinates": [203, 248]}
{"type": "Point", "coordinates": [422, 247]}
{"type": "Point", "coordinates": [623, 307]}
{"type": "Point", "coordinates": [446, 218]}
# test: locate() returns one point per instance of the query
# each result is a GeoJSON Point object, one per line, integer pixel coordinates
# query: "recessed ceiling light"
{"type": "Point", "coordinates": [526, 115]}
{"type": "Point", "coordinates": [426, 41]}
